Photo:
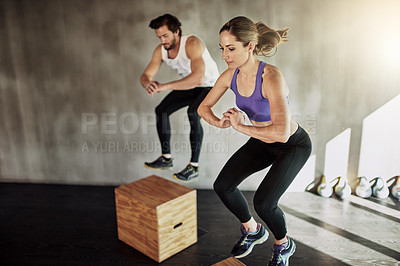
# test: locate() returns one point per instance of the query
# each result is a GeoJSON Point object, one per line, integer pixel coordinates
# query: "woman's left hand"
{"type": "Point", "coordinates": [236, 117]}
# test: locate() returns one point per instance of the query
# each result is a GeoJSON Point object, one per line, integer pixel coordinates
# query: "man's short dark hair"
{"type": "Point", "coordinates": [168, 20]}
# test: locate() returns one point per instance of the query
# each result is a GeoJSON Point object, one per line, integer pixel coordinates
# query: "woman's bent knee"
{"type": "Point", "coordinates": [221, 187]}
{"type": "Point", "coordinates": [264, 207]}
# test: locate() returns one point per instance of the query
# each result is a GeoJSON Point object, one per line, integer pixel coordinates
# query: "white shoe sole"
{"type": "Point", "coordinates": [257, 242]}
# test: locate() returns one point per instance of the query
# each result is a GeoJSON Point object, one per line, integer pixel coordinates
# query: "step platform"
{"type": "Point", "coordinates": [156, 216]}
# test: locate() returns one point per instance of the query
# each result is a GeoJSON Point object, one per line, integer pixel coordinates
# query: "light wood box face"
{"type": "Point", "coordinates": [230, 262]}
{"type": "Point", "coordinates": [156, 216]}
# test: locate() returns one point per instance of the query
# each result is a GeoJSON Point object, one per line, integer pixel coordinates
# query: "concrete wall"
{"type": "Point", "coordinates": [73, 110]}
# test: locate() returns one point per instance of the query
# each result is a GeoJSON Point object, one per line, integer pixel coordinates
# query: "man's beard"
{"type": "Point", "coordinates": [172, 45]}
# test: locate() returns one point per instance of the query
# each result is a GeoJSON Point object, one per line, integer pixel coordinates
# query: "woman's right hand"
{"type": "Point", "coordinates": [224, 122]}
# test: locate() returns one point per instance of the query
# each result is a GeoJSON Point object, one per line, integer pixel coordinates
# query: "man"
{"type": "Point", "coordinates": [189, 56]}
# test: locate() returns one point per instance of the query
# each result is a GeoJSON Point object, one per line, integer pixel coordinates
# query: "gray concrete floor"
{"type": "Point", "coordinates": [354, 230]}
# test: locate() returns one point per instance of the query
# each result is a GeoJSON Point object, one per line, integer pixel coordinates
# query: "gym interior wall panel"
{"type": "Point", "coordinates": [380, 143]}
{"type": "Point", "coordinates": [337, 156]}
{"type": "Point", "coordinates": [73, 110]}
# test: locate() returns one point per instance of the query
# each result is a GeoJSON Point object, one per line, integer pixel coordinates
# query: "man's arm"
{"type": "Point", "coordinates": [194, 51]}
{"type": "Point", "coordinates": [151, 70]}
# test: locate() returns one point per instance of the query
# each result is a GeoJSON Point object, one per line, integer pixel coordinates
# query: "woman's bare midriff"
{"type": "Point", "coordinates": [293, 126]}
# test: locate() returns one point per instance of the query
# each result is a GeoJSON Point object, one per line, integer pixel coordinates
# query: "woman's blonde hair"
{"type": "Point", "coordinates": [264, 38]}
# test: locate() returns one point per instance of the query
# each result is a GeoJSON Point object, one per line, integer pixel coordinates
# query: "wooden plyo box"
{"type": "Point", "coordinates": [156, 216]}
{"type": "Point", "coordinates": [229, 262]}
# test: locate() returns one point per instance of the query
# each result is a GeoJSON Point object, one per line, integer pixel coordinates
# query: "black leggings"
{"type": "Point", "coordinates": [174, 101]}
{"type": "Point", "coordinates": [286, 158]}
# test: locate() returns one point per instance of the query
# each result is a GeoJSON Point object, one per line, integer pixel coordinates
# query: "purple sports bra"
{"type": "Point", "coordinates": [255, 106]}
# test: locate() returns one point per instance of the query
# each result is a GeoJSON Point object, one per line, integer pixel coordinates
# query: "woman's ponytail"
{"type": "Point", "coordinates": [265, 39]}
{"type": "Point", "coordinates": [269, 39]}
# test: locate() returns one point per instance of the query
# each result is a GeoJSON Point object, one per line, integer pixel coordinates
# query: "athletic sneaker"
{"type": "Point", "coordinates": [161, 163]}
{"type": "Point", "coordinates": [248, 240]}
{"type": "Point", "coordinates": [282, 253]}
{"type": "Point", "coordinates": [189, 174]}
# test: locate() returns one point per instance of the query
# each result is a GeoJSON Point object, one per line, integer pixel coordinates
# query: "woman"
{"type": "Point", "coordinates": [276, 139]}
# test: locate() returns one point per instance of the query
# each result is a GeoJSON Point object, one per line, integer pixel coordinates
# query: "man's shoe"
{"type": "Point", "coordinates": [248, 240]}
{"type": "Point", "coordinates": [189, 174]}
{"type": "Point", "coordinates": [282, 253]}
{"type": "Point", "coordinates": [161, 163]}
